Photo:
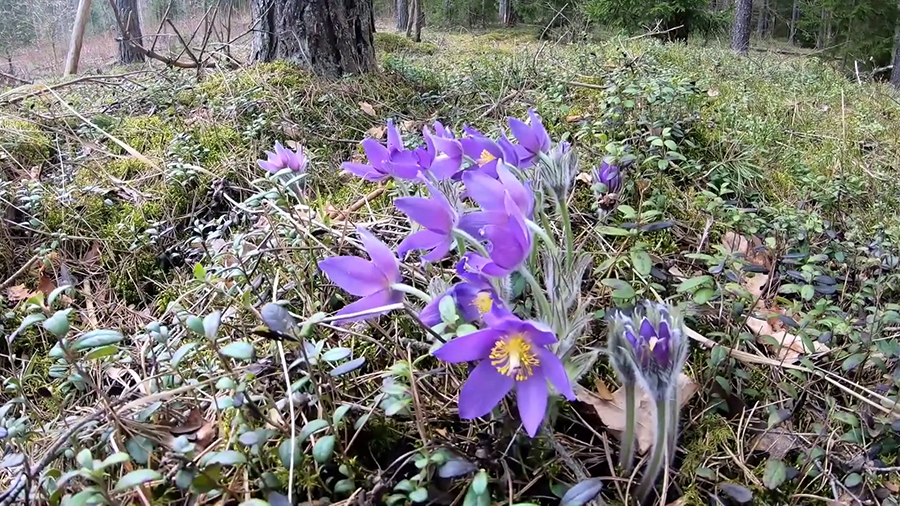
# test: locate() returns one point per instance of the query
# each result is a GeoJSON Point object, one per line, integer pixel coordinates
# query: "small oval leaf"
{"type": "Point", "coordinates": [336, 354]}
{"type": "Point", "coordinates": [97, 338]}
{"type": "Point", "coordinates": [350, 366]}
{"type": "Point", "coordinates": [456, 467]}
{"type": "Point", "coordinates": [136, 478]}
{"type": "Point", "coordinates": [323, 449]}
{"type": "Point", "coordinates": [582, 492]}
{"type": "Point", "coordinates": [239, 350]}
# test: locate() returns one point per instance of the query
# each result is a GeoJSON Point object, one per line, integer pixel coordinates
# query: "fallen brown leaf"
{"type": "Point", "coordinates": [367, 108]}
{"type": "Point", "coordinates": [790, 346]}
{"type": "Point", "coordinates": [584, 177]}
{"type": "Point", "coordinates": [46, 284]}
{"type": "Point", "coordinates": [752, 249]}
{"type": "Point", "coordinates": [612, 413]}
{"type": "Point", "coordinates": [574, 118]}
{"type": "Point", "coordinates": [755, 285]}
{"type": "Point", "coordinates": [377, 132]}
{"type": "Point", "coordinates": [603, 390]}
{"type": "Point", "coordinates": [776, 442]}
{"type": "Point", "coordinates": [18, 292]}
{"type": "Point", "coordinates": [91, 258]}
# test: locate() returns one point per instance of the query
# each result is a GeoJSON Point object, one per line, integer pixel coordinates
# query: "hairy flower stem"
{"type": "Point", "coordinates": [567, 227]}
{"type": "Point", "coordinates": [673, 410]}
{"type": "Point", "coordinates": [402, 287]}
{"type": "Point", "coordinates": [626, 452]}
{"type": "Point", "coordinates": [660, 447]}
{"type": "Point", "coordinates": [465, 236]}
{"type": "Point", "coordinates": [538, 293]}
{"type": "Point", "coordinates": [540, 232]}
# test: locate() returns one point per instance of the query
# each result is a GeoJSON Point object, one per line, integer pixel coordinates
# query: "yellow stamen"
{"type": "Point", "coordinates": [485, 158]}
{"type": "Point", "coordinates": [652, 343]}
{"type": "Point", "coordinates": [514, 357]}
{"type": "Point", "coordinates": [483, 302]}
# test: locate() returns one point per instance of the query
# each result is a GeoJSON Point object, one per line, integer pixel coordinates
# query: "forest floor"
{"type": "Point", "coordinates": [138, 227]}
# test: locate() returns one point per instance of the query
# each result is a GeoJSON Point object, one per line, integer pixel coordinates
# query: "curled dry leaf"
{"type": "Point", "coordinates": [377, 132]}
{"type": "Point", "coordinates": [584, 177]}
{"type": "Point", "coordinates": [790, 346]}
{"type": "Point", "coordinates": [368, 109]}
{"type": "Point", "coordinates": [752, 249]}
{"type": "Point", "coordinates": [18, 293]}
{"type": "Point", "coordinates": [612, 412]}
{"type": "Point", "coordinates": [776, 442]}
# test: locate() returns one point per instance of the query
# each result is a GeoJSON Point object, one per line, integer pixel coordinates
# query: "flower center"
{"type": "Point", "coordinates": [483, 302]}
{"type": "Point", "coordinates": [514, 357]}
{"type": "Point", "coordinates": [485, 158]}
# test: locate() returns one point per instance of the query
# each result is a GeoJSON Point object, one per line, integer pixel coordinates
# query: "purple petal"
{"type": "Point", "coordinates": [381, 255]}
{"type": "Point", "coordinates": [631, 338]}
{"type": "Point", "coordinates": [394, 142]}
{"type": "Point", "coordinates": [539, 131]}
{"type": "Point", "coordinates": [553, 369]}
{"type": "Point", "coordinates": [538, 333]}
{"type": "Point", "coordinates": [376, 300]}
{"type": "Point", "coordinates": [402, 170]}
{"type": "Point", "coordinates": [445, 166]}
{"type": "Point", "coordinates": [367, 172]}
{"type": "Point", "coordinates": [647, 331]}
{"type": "Point", "coordinates": [526, 137]}
{"type": "Point", "coordinates": [431, 313]}
{"type": "Point", "coordinates": [421, 240]}
{"type": "Point", "coordinates": [474, 346]}
{"type": "Point", "coordinates": [521, 194]}
{"type": "Point", "coordinates": [282, 153]}
{"type": "Point", "coordinates": [375, 152]}
{"type": "Point", "coordinates": [474, 223]}
{"type": "Point", "coordinates": [485, 389]}
{"type": "Point", "coordinates": [451, 147]}
{"type": "Point", "coordinates": [532, 398]}
{"type": "Point", "coordinates": [268, 166]}
{"type": "Point", "coordinates": [430, 213]}
{"type": "Point", "coordinates": [664, 333]}
{"type": "Point", "coordinates": [484, 190]}
{"type": "Point", "coordinates": [465, 295]}
{"type": "Point", "coordinates": [440, 251]}
{"type": "Point", "coordinates": [355, 275]}
{"type": "Point", "coordinates": [510, 153]}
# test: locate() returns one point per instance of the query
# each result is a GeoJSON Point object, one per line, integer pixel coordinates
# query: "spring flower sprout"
{"type": "Point", "coordinates": [609, 176]}
{"type": "Point", "coordinates": [284, 158]}
{"type": "Point", "coordinates": [370, 279]}
{"type": "Point", "coordinates": [512, 353]}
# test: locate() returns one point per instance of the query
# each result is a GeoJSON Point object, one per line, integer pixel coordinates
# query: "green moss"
{"type": "Point", "coordinates": [146, 134]}
{"type": "Point", "coordinates": [393, 43]}
{"type": "Point", "coordinates": [708, 438]}
{"type": "Point", "coordinates": [23, 144]}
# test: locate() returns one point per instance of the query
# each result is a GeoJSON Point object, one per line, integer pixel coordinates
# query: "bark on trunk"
{"type": "Point", "coordinates": [81, 18]}
{"type": "Point", "coordinates": [402, 15]}
{"type": "Point", "coordinates": [332, 37]}
{"type": "Point", "coordinates": [128, 13]}
{"type": "Point", "coordinates": [414, 23]}
{"type": "Point", "coordinates": [762, 23]}
{"type": "Point", "coordinates": [740, 32]}
{"type": "Point", "coordinates": [507, 14]}
{"type": "Point", "coordinates": [823, 38]}
{"type": "Point", "coordinates": [795, 18]}
{"type": "Point", "coordinates": [895, 72]}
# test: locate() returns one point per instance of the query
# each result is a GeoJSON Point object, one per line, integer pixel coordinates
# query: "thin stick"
{"type": "Point", "coordinates": [9, 281]}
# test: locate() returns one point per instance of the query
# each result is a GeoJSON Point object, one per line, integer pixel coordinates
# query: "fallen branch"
{"type": "Point", "coordinates": [19, 272]}
{"type": "Point", "coordinates": [374, 194]}
{"type": "Point", "coordinates": [14, 78]}
{"type": "Point", "coordinates": [77, 80]}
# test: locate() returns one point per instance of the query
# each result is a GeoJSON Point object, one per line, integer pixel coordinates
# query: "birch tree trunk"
{"type": "Point", "coordinates": [82, 15]}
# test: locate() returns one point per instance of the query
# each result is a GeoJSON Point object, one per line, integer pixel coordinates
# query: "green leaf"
{"type": "Point", "coordinates": [704, 295]}
{"type": "Point", "coordinates": [775, 474]}
{"type": "Point", "coordinates": [853, 479]}
{"type": "Point", "coordinates": [447, 308]}
{"type": "Point", "coordinates": [199, 272]}
{"type": "Point", "coordinates": [195, 324]}
{"type": "Point", "coordinates": [324, 449]}
{"type": "Point", "coordinates": [807, 292]}
{"type": "Point", "coordinates": [344, 487]}
{"type": "Point", "coordinates": [85, 459]}
{"type": "Point", "coordinates": [641, 262]}
{"type": "Point", "coordinates": [226, 458]}
{"type": "Point", "coordinates": [211, 324]}
{"type": "Point", "coordinates": [339, 414]}
{"type": "Point", "coordinates": [693, 283]}
{"type": "Point", "coordinates": [139, 448]}
{"type": "Point", "coordinates": [336, 354]}
{"type": "Point", "coordinates": [136, 478]}
{"type": "Point", "coordinates": [465, 329]}
{"type": "Point", "coordinates": [97, 338]}
{"type": "Point", "coordinates": [789, 288]}
{"type": "Point", "coordinates": [621, 289]}
{"type": "Point", "coordinates": [105, 351]}
{"type": "Point", "coordinates": [480, 482]}
{"type": "Point", "coordinates": [671, 145]}
{"type": "Point", "coordinates": [115, 458]}
{"type": "Point", "coordinates": [346, 367]}
{"type": "Point", "coordinates": [612, 231]}
{"type": "Point", "coordinates": [181, 354]}
{"type": "Point", "coordinates": [418, 495]}
{"type": "Point", "coordinates": [284, 453]}
{"type": "Point", "coordinates": [311, 428]}
{"type": "Point", "coordinates": [853, 361]}
{"type": "Point", "coordinates": [56, 293]}
{"type": "Point", "coordinates": [28, 321]}
{"type": "Point", "coordinates": [627, 211]}
{"type": "Point", "coordinates": [582, 492]}
{"type": "Point", "coordinates": [58, 324]}
{"type": "Point", "coordinates": [239, 350]}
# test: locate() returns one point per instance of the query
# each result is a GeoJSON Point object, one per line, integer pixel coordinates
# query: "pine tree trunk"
{"type": "Point", "coordinates": [128, 13]}
{"type": "Point", "coordinates": [895, 72]}
{"type": "Point", "coordinates": [762, 24]}
{"type": "Point", "coordinates": [332, 37]}
{"type": "Point", "coordinates": [740, 32]}
{"type": "Point", "coordinates": [823, 38]}
{"type": "Point", "coordinates": [414, 23]}
{"type": "Point", "coordinates": [81, 18]}
{"type": "Point", "coordinates": [402, 14]}
{"type": "Point", "coordinates": [795, 18]}
{"type": "Point", "coordinates": [507, 15]}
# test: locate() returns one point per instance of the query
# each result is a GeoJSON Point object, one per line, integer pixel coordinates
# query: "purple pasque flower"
{"type": "Point", "coordinates": [490, 193]}
{"type": "Point", "coordinates": [369, 279]}
{"type": "Point", "coordinates": [437, 215]}
{"type": "Point", "coordinates": [284, 158]}
{"type": "Point", "coordinates": [509, 240]}
{"type": "Point", "coordinates": [385, 161]}
{"type": "Point", "coordinates": [649, 346]}
{"type": "Point", "coordinates": [448, 156]}
{"type": "Point", "coordinates": [487, 153]}
{"type": "Point", "coordinates": [609, 175]}
{"type": "Point", "coordinates": [511, 353]}
{"type": "Point", "coordinates": [474, 297]}
{"type": "Point", "coordinates": [532, 138]}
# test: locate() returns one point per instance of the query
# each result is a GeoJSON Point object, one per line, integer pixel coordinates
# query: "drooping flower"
{"type": "Point", "coordinates": [512, 353]}
{"type": "Point", "coordinates": [489, 193]}
{"type": "Point", "coordinates": [509, 241]}
{"type": "Point", "coordinates": [438, 217]}
{"type": "Point", "coordinates": [284, 158]}
{"type": "Point", "coordinates": [369, 279]}
{"type": "Point", "coordinates": [608, 175]}
{"type": "Point", "coordinates": [532, 138]}
{"type": "Point", "coordinates": [474, 297]}
{"type": "Point", "coordinates": [650, 346]}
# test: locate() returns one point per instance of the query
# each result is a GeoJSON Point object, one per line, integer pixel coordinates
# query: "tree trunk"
{"type": "Point", "coordinates": [762, 23]}
{"type": "Point", "coordinates": [795, 18]}
{"type": "Point", "coordinates": [507, 14]}
{"type": "Point", "coordinates": [740, 32]}
{"type": "Point", "coordinates": [402, 14]}
{"type": "Point", "coordinates": [895, 72]}
{"type": "Point", "coordinates": [81, 18]}
{"type": "Point", "coordinates": [128, 13]}
{"type": "Point", "coordinates": [331, 37]}
{"type": "Point", "coordinates": [414, 23]}
{"type": "Point", "coordinates": [823, 38]}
